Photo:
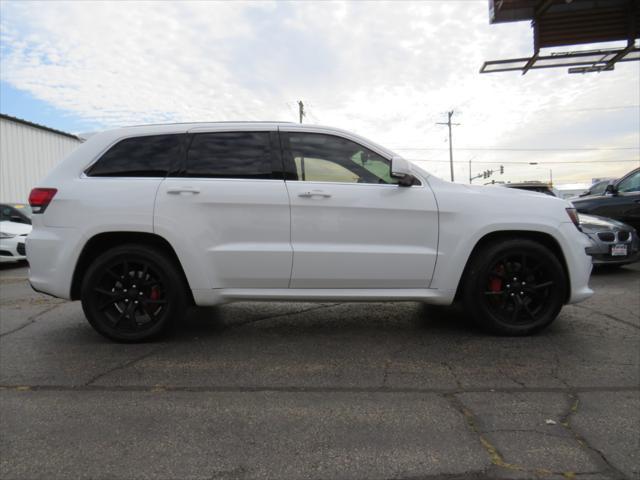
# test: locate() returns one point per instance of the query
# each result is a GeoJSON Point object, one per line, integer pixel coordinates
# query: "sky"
{"type": "Point", "coordinates": [387, 71]}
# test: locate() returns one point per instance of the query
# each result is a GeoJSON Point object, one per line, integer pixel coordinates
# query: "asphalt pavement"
{"type": "Point", "coordinates": [321, 391]}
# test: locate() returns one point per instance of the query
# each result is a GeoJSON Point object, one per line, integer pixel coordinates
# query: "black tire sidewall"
{"type": "Point", "coordinates": [475, 285]}
{"type": "Point", "coordinates": [170, 276]}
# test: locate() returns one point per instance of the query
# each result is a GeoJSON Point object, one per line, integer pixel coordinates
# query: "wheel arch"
{"type": "Point", "coordinates": [104, 241]}
{"type": "Point", "coordinates": [543, 238]}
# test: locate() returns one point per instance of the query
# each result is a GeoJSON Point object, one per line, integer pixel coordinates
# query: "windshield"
{"type": "Point", "coordinates": [23, 208]}
{"type": "Point", "coordinates": [598, 188]}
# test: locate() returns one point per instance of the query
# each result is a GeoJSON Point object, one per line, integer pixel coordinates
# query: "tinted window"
{"type": "Point", "coordinates": [19, 213]}
{"type": "Point", "coordinates": [326, 158]}
{"type": "Point", "coordinates": [230, 155]}
{"type": "Point", "coordinates": [139, 157]}
{"type": "Point", "coordinates": [631, 183]}
{"type": "Point", "coordinates": [5, 212]}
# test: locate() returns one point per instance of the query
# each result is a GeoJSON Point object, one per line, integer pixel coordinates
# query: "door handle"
{"type": "Point", "coordinates": [315, 193]}
{"type": "Point", "coordinates": [180, 190]}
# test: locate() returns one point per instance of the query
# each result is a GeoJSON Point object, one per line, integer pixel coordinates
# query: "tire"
{"type": "Point", "coordinates": [133, 293]}
{"type": "Point", "coordinates": [514, 287]}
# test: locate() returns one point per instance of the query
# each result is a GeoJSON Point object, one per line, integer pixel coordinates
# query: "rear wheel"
{"type": "Point", "coordinates": [133, 293]}
{"type": "Point", "coordinates": [514, 287]}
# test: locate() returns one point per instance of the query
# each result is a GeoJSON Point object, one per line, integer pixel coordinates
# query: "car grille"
{"type": "Point", "coordinates": [620, 236]}
{"type": "Point", "coordinates": [21, 250]}
{"type": "Point", "coordinates": [5, 253]}
{"type": "Point", "coordinates": [607, 236]}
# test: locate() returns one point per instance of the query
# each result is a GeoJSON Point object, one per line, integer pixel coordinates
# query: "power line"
{"type": "Point", "coordinates": [514, 149]}
{"type": "Point", "coordinates": [590, 109]}
{"type": "Point", "coordinates": [537, 163]}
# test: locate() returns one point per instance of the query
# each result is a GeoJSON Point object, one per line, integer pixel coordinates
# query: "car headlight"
{"type": "Point", "coordinates": [6, 235]}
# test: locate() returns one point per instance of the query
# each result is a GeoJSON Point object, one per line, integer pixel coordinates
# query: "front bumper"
{"type": "Point", "coordinates": [12, 249]}
{"type": "Point", "coordinates": [574, 244]}
{"type": "Point", "coordinates": [600, 251]}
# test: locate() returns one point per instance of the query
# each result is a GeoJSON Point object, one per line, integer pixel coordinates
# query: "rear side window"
{"type": "Point", "coordinates": [230, 155]}
{"type": "Point", "coordinates": [139, 157]}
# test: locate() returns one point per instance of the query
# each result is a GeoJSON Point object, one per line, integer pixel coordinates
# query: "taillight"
{"type": "Point", "coordinates": [40, 198]}
{"type": "Point", "coordinates": [573, 215]}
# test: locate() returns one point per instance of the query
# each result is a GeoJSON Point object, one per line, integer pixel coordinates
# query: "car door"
{"type": "Point", "coordinates": [624, 204]}
{"type": "Point", "coordinates": [628, 197]}
{"type": "Point", "coordinates": [227, 209]}
{"type": "Point", "coordinates": [352, 226]}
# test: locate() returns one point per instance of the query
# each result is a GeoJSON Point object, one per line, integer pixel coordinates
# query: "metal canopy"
{"type": "Point", "coordinates": [570, 22]}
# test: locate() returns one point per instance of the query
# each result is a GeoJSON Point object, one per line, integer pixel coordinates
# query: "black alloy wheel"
{"type": "Point", "coordinates": [132, 293]}
{"type": "Point", "coordinates": [515, 287]}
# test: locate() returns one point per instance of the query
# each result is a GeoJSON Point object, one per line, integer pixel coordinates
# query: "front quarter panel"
{"type": "Point", "coordinates": [467, 214]}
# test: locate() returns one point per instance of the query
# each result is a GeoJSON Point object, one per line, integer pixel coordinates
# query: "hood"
{"type": "Point", "coordinates": [597, 223]}
{"type": "Point", "coordinates": [15, 228]}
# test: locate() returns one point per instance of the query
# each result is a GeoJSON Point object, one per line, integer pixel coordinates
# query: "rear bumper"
{"type": "Point", "coordinates": [52, 254]}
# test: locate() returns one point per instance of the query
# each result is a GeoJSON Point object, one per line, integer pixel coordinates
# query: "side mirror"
{"type": "Point", "coordinates": [611, 190]}
{"type": "Point", "coordinates": [401, 169]}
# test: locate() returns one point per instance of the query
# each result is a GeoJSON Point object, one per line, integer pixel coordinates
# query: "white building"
{"type": "Point", "coordinates": [27, 152]}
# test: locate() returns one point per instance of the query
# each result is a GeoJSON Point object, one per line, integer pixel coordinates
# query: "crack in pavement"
{"type": "Point", "coordinates": [555, 370]}
{"type": "Point", "coordinates": [597, 455]}
{"type": "Point", "coordinates": [526, 430]}
{"type": "Point", "coordinates": [498, 459]}
{"type": "Point", "coordinates": [288, 314]}
{"type": "Point", "coordinates": [389, 361]}
{"type": "Point", "coordinates": [89, 386]}
{"type": "Point", "coordinates": [612, 317]}
{"type": "Point", "coordinates": [492, 451]}
{"type": "Point", "coordinates": [453, 374]}
{"type": "Point", "coordinates": [32, 319]}
{"type": "Point", "coordinates": [510, 377]}
{"type": "Point", "coordinates": [124, 365]}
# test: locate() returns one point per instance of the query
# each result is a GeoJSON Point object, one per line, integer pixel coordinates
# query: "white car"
{"type": "Point", "coordinates": [12, 241]}
{"type": "Point", "coordinates": [142, 221]}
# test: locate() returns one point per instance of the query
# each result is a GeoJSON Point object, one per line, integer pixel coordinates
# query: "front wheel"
{"type": "Point", "coordinates": [514, 287]}
{"type": "Point", "coordinates": [132, 293]}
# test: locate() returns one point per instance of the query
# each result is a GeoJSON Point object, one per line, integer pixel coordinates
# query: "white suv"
{"type": "Point", "coordinates": [140, 222]}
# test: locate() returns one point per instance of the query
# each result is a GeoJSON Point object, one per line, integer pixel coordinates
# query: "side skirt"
{"type": "Point", "coordinates": [223, 295]}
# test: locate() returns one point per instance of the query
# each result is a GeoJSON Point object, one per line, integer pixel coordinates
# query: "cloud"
{"type": "Point", "coordinates": [389, 71]}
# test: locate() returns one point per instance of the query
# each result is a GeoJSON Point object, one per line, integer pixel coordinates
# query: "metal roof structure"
{"type": "Point", "coordinates": [559, 23]}
{"type": "Point", "coordinates": [37, 125]}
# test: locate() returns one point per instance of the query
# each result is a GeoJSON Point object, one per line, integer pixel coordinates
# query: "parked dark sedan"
{"type": "Point", "coordinates": [621, 201]}
{"type": "Point", "coordinates": [598, 188]}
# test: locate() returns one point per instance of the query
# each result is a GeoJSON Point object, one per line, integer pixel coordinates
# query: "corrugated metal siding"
{"type": "Point", "coordinates": [26, 156]}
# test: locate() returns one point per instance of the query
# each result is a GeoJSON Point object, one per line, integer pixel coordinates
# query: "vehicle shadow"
{"type": "Point", "coordinates": [13, 265]}
{"type": "Point", "coordinates": [359, 319]}
{"type": "Point", "coordinates": [611, 270]}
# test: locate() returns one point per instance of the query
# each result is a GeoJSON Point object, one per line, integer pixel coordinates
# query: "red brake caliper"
{"type": "Point", "coordinates": [154, 294]}
{"type": "Point", "coordinates": [495, 283]}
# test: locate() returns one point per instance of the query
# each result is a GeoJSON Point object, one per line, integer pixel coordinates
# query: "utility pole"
{"type": "Point", "coordinates": [301, 109]}
{"type": "Point", "coordinates": [448, 123]}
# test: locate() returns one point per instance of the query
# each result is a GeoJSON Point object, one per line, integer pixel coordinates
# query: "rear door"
{"type": "Point", "coordinates": [227, 210]}
{"type": "Point", "coordinates": [352, 226]}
